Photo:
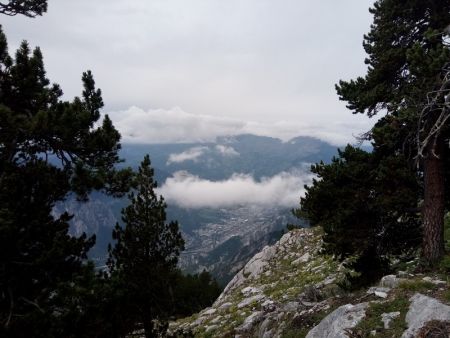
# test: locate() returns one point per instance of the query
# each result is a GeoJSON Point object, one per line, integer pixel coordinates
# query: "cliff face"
{"type": "Point", "coordinates": [291, 290]}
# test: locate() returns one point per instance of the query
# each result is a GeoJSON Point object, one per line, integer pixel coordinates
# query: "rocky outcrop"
{"type": "Point", "coordinates": [337, 323]}
{"type": "Point", "coordinates": [287, 279]}
{"type": "Point", "coordinates": [424, 309]}
{"type": "Point", "coordinates": [292, 289]}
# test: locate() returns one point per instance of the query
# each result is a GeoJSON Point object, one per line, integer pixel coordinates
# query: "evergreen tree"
{"type": "Point", "coordinates": [144, 258]}
{"type": "Point", "coordinates": [48, 149]}
{"type": "Point", "coordinates": [407, 79]}
{"type": "Point", "coordinates": [30, 8]}
{"type": "Point", "coordinates": [366, 205]}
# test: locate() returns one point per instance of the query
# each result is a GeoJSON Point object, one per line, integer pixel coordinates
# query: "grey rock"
{"type": "Point", "coordinates": [381, 294]}
{"type": "Point", "coordinates": [390, 281]}
{"type": "Point", "coordinates": [250, 322]}
{"type": "Point", "coordinates": [434, 281]}
{"type": "Point", "coordinates": [335, 324]}
{"type": "Point", "coordinates": [249, 290]}
{"type": "Point", "coordinates": [422, 310]}
{"type": "Point", "coordinates": [225, 306]}
{"type": "Point", "coordinates": [211, 328]}
{"type": "Point", "coordinates": [291, 306]}
{"type": "Point", "coordinates": [216, 320]}
{"type": "Point", "coordinates": [209, 312]}
{"type": "Point", "coordinates": [269, 306]}
{"type": "Point", "coordinates": [249, 300]}
{"type": "Point", "coordinates": [374, 289]}
{"type": "Point", "coordinates": [387, 318]}
{"type": "Point", "coordinates": [303, 259]}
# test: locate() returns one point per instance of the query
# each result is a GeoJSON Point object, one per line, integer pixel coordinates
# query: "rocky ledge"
{"type": "Point", "coordinates": [292, 290]}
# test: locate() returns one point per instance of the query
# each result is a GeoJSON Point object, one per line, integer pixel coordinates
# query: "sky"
{"type": "Point", "coordinates": [177, 70]}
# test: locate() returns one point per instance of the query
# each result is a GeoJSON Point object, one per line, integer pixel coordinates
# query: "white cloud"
{"type": "Point", "coordinates": [226, 150]}
{"type": "Point", "coordinates": [191, 154]}
{"type": "Point", "coordinates": [251, 60]}
{"type": "Point", "coordinates": [177, 126]}
{"type": "Point", "coordinates": [191, 191]}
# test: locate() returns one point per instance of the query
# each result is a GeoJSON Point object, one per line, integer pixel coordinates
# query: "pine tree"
{"type": "Point", "coordinates": [366, 204]}
{"type": "Point", "coordinates": [30, 8]}
{"type": "Point", "coordinates": [146, 252]}
{"type": "Point", "coordinates": [48, 149]}
{"type": "Point", "coordinates": [407, 58]}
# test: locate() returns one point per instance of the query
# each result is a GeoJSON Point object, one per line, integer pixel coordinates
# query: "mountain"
{"type": "Point", "coordinates": [291, 289]}
{"type": "Point", "coordinates": [218, 238]}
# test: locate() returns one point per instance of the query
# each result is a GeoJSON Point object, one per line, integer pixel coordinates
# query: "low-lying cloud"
{"type": "Point", "coordinates": [226, 151]}
{"type": "Point", "coordinates": [177, 126]}
{"type": "Point", "coordinates": [191, 154]}
{"type": "Point", "coordinates": [189, 191]}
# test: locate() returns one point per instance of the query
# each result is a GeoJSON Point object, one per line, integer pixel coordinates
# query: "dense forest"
{"type": "Point", "coordinates": [377, 208]}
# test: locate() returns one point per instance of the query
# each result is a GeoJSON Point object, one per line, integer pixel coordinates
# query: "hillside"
{"type": "Point", "coordinates": [291, 290]}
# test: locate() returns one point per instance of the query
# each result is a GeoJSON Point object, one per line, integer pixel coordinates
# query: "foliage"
{"type": "Point", "coordinates": [366, 206]}
{"type": "Point", "coordinates": [407, 50]}
{"type": "Point", "coordinates": [144, 258]}
{"type": "Point", "coordinates": [192, 293]}
{"type": "Point", "coordinates": [373, 319]}
{"type": "Point", "coordinates": [48, 149]}
{"type": "Point", "coordinates": [30, 8]}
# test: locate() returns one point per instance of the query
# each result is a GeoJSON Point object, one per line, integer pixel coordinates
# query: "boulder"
{"type": "Point", "coordinates": [336, 323]}
{"type": "Point", "coordinates": [390, 281]}
{"type": "Point", "coordinates": [422, 310]}
{"type": "Point", "coordinates": [387, 318]}
{"type": "Point", "coordinates": [250, 322]}
{"type": "Point", "coordinates": [249, 300]}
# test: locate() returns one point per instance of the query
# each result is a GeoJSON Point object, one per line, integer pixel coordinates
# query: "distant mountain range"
{"type": "Point", "coordinates": [219, 239]}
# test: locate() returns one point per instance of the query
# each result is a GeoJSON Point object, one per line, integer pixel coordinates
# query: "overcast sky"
{"type": "Point", "coordinates": [169, 67]}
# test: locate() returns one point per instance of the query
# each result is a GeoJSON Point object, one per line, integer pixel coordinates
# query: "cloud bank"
{"type": "Point", "coordinates": [189, 155]}
{"type": "Point", "coordinates": [189, 191]}
{"type": "Point", "coordinates": [177, 126]}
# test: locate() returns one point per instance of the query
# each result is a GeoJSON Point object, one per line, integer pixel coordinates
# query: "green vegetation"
{"type": "Point", "coordinates": [416, 285]}
{"type": "Point", "coordinates": [373, 319]}
{"type": "Point", "coordinates": [407, 80]}
{"type": "Point", "coordinates": [367, 206]}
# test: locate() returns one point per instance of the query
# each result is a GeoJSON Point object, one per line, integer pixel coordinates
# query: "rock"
{"type": "Point", "coordinates": [211, 328]}
{"type": "Point", "coordinates": [291, 306]}
{"type": "Point", "coordinates": [250, 291]}
{"type": "Point", "coordinates": [249, 300]}
{"type": "Point", "coordinates": [256, 265]}
{"type": "Point", "coordinates": [198, 321]}
{"type": "Point", "coordinates": [269, 306]}
{"type": "Point", "coordinates": [209, 312]}
{"type": "Point", "coordinates": [386, 318]}
{"type": "Point", "coordinates": [250, 322]}
{"type": "Point", "coordinates": [381, 294]}
{"type": "Point", "coordinates": [422, 310]}
{"type": "Point", "coordinates": [374, 289]}
{"type": "Point", "coordinates": [434, 281]}
{"type": "Point", "coordinates": [303, 259]}
{"type": "Point", "coordinates": [335, 324]}
{"type": "Point", "coordinates": [225, 306]}
{"type": "Point", "coordinates": [216, 320]}
{"type": "Point", "coordinates": [390, 281]}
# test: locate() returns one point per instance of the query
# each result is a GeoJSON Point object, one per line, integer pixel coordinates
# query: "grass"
{"type": "Point", "coordinates": [373, 322]}
{"type": "Point", "coordinates": [416, 285]}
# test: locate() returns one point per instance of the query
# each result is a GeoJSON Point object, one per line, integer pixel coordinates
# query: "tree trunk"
{"type": "Point", "coordinates": [149, 329]}
{"type": "Point", "coordinates": [433, 207]}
